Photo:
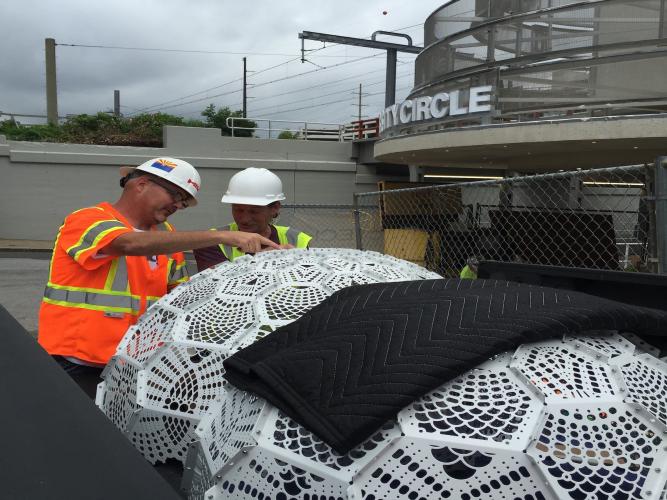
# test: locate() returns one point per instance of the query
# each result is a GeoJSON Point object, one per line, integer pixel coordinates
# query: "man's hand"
{"type": "Point", "coordinates": [248, 242]}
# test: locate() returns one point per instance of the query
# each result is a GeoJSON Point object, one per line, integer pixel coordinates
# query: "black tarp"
{"type": "Point", "coordinates": [352, 362]}
{"type": "Point", "coordinates": [56, 444]}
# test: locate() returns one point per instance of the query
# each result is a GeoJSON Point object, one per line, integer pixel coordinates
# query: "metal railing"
{"type": "Point", "coordinates": [544, 59]}
{"type": "Point", "coordinates": [596, 219]}
{"type": "Point", "coordinates": [313, 131]}
{"type": "Point", "coordinates": [303, 129]}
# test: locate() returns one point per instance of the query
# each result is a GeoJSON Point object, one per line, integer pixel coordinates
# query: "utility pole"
{"type": "Point", "coordinates": [391, 48]}
{"type": "Point", "coordinates": [359, 130]}
{"type": "Point", "coordinates": [51, 89]}
{"type": "Point", "coordinates": [245, 97]}
{"type": "Point", "coordinates": [116, 102]}
{"type": "Point", "coordinates": [390, 86]}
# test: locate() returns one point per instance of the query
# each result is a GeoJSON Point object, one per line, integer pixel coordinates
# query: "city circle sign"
{"type": "Point", "coordinates": [438, 106]}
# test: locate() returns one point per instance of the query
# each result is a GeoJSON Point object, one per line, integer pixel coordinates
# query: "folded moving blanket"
{"type": "Point", "coordinates": [355, 360]}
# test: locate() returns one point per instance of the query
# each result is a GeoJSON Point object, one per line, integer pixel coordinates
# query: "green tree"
{"type": "Point", "coordinates": [287, 134]}
{"type": "Point", "coordinates": [15, 131]}
{"type": "Point", "coordinates": [218, 119]}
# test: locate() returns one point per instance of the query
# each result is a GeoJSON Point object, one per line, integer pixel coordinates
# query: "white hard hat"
{"type": "Point", "coordinates": [178, 172]}
{"type": "Point", "coordinates": [254, 186]}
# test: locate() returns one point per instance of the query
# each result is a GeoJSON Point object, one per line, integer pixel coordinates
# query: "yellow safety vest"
{"type": "Point", "coordinates": [286, 235]}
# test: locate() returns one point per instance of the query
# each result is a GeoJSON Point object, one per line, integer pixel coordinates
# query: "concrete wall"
{"type": "Point", "coordinates": [43, 182]}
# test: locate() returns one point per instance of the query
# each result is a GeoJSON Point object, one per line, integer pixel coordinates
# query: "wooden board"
{"type": "Point", "coordinates": [441, 201]}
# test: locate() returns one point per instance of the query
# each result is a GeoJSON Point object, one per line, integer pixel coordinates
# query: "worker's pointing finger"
{"type": "Point", "coordinates": [268, 243]}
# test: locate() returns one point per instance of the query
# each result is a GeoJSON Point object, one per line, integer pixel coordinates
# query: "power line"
{"type": "Point", "coordinates": [156, 107]}
{"type": "Point", "coordinates": [161, 106]}
{"type": "Point", "coordinates": [356, 76]}
{"type": "Point", "coordinates": [322, 95]}
{"type": "Point", "coordinates": [216, 87]}
{"type": "Point", "coordinates": [300, 89]}
{"type": "Point", "coordinates": [266, 83]}
{"type": "Point", "coordinates": [185, 51]}
{"type": "Point", "coordinates": [328, 103]}
{"type": "Point", "coordinates": [260, 71]}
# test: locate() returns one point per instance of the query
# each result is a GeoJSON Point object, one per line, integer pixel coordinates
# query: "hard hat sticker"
{"type": "Point", "coordinates": [165, 165]}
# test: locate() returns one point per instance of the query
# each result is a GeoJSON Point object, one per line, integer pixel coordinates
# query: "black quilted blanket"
{"type": "Point", "coordinates": [352, 362]}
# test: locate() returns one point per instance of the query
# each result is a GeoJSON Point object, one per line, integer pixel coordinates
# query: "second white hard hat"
{"type": "Point", "coordinates": [254, 186]}
{"type": "Point", "coordinates": [178, 172]}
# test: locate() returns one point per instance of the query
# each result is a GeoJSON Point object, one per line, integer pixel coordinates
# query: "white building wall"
{"type": "Point", "coordinates": [43, 182]}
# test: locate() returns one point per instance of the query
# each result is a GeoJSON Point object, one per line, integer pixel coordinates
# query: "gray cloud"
{"type": "Point", "coordinates": [88, 76]}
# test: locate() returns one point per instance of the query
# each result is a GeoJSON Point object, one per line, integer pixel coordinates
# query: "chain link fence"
{"type": "Point", "coordinates": [595, 219]}
{"type": "Point", "coordinates": [331, 226]}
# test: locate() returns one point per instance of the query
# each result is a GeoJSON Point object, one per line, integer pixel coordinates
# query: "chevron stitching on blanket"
{"type": "Point", "coordinates": [356, 359]}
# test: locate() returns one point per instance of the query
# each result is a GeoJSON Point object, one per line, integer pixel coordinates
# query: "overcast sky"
{"type": "Point", "coordinates": [184, 83]}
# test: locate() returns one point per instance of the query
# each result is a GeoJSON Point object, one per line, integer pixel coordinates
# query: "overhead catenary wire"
{"type": "Point", "coordinates": [338, 101]}
{"type": "Point", "coordinates": [262, 71]}
{"type": "Point", "coordinates": [301, 89]}
{"type": "Point", "coordinates": [184, 51]}
{"type": "Point", "coordinates": [259, 110]}
{"type": "Point", "coordinates": [177, 102]}
{"type": "Point", "coordinates": [270, 82]}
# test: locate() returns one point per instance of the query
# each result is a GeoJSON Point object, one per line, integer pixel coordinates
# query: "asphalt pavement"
{"type": "Point", "coordinates": [23, 275]}
{"type": "Point", "coordinates": [22, 279]}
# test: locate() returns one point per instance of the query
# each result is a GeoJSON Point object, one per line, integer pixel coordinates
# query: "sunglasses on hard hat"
{"type": "Point", "coordinates": [176, 196]}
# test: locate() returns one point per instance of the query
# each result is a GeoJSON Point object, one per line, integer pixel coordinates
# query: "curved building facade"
{"type": "Point", "coordinates": [532, 85]}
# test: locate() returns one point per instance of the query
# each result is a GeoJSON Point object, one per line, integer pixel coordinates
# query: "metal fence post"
{"type": "Point", "coordinates": [661, 211]}
{"type": "Point", "coordinates": [357, 225]}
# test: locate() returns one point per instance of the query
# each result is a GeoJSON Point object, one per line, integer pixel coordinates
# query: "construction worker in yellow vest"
{"type": "Point", "coordinates": [255, 195]}
{"type": "Point", "coordinates": [470, 270]}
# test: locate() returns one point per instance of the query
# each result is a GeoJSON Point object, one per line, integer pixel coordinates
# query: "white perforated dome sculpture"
{"type": "Point", "coordinates": [167, 370]}
{"type": "Point", "coordinates": [582, 418]}
{"type": "Point", "coordinates": [585, 417]}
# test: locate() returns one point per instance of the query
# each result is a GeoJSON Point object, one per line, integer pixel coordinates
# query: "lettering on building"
{"type": "Point", "coordinates": [438, 106]}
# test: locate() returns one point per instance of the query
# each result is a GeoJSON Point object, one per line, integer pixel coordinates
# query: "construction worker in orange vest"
{"type": "Point", "coordinates": [112, 261]}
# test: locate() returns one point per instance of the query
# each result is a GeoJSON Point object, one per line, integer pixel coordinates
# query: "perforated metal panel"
{"type": "Point", "coordinates": [645, 378]}
{"type": "Point", "coordinates": [561, 370]}
{"type": "Point", "coordinates": [581, 418]}
{"type": "Point", "coordinates": [603, 450]}
{"type": "Point", "coordinates": [167, 371]}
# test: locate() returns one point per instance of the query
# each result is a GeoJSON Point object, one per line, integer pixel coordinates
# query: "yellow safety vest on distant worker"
{"type": "Point", "coordinates": [286, 235]}
{"type": "Point", "coordinates": [468, 274]}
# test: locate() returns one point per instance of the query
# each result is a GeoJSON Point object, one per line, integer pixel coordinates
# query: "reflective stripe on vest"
{"type": "Point", "coordinates": [117, 279]}
{"type": "Point", "coordinates": [92, 235]}
{"type": "Point", "coordinates": [98, 300]}
{"type": "Point", "coordinates": [115, 296]}
{"type": "Point", "coordinates": [178, 273]}
{"type": "Point", "coordinates": [286, 235]}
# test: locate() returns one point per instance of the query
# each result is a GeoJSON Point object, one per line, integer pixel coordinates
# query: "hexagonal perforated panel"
{"type": "Point", "coordinates": [646, 380]}
{"type": "Point", "coordinates": [488, 404]}
{"type": "Point", "coordinates": [497, 431]}
{"type": "Point", "coordinates": [168, 369]}
{"type": "Point", "coordinates": [560, 370]}
{"type": "Point", "coordinates": [600, 451]}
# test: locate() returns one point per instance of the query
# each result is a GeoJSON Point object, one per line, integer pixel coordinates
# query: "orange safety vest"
{"type": "Point", "coordinates": [90, 300]}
